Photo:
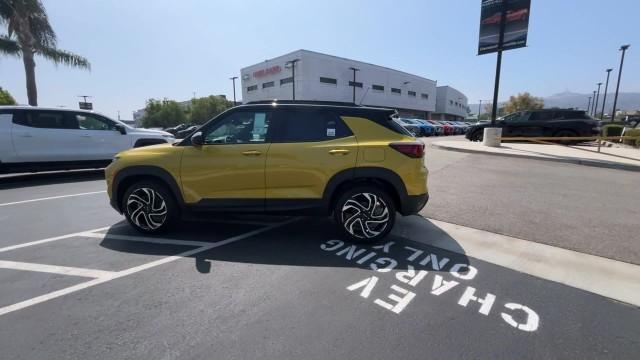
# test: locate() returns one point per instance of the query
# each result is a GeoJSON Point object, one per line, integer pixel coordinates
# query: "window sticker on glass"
{"type": "Point", "coordinates": [331, 132]}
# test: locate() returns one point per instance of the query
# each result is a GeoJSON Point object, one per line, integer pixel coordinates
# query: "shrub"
{"type": "Point", "coordinates": [632, 132]}
{"type": "Point", "coordinates": [612, 130]}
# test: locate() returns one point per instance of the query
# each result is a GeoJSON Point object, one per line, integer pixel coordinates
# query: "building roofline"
{"type": "Point", "coordinates": [343, 58]}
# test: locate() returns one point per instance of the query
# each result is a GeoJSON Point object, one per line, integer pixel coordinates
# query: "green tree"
{"type": "Point", "coordinates": [203, 109]}
{"type": "Point", "coordinates": [163, 113]}
{"type": "Point", "coordinates": [28, 34]}
{"type": "Point", "coordinates": [523, 101]}
{"type": "Point", "coordinates": [6, 98]}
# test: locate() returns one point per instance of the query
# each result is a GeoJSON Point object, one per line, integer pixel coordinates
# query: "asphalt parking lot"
{"type": "Point", "coordinates": [77, 282]}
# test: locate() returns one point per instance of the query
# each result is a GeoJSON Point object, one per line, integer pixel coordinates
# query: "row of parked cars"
{"type": "Point", "coordinates": [421, 127]}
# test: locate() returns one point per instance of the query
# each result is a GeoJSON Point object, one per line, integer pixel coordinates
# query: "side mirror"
{"type": "Point", "coordinates": [196, 139]}
{"type": "Point", "coordinates": [121, 129]}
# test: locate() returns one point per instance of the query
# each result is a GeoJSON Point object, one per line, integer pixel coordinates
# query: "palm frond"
{"type": "Point", "coordinates": [8, 46]}
{"type": "Point", "coordinates": [64, 57]}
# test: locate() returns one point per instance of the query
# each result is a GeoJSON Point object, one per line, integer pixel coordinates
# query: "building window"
{"type": "Point", "coordinates": [396, 91]}
{"type": "Point", "coordinates": [252, 88]}
{"type": "Point", "coordinates": [450, 102]}
{"type": "Point", "coordinates": [286, 80]}
{"type": "Point", "coordinates": [425, 96]}
{"type": "Point", "coordinates": [326, 80]}
{"type": "Point", "coordinates": [267, 84]}
{"type": "Point", "coordinates": [411, 93]}
{"type": "Point", "coordinates": [377, 87]}
{"type": "Point", "coordinates": [356, 84]}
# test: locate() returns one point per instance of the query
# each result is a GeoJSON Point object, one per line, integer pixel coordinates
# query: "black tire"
{"type": "Point", "coordinates": [566, 133]}
{"type": "Point", "coordinates": [150, 207]}
{"type": "Point", "coordinates": [364, 214]}
{"type": "Point", "coordinates": [477, 135]}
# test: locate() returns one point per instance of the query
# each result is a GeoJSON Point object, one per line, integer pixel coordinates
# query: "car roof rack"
{"type": "Point", "coordinates": [302, 102]}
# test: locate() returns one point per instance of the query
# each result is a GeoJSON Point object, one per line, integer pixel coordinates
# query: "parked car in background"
{"type": "Point", "coordinates": [457, 128]}
{"type": "Point", "coordinates": [439, 128]}
{"type": "Point", "coordinates": [447, 129]}
{"type": "Point", "coordinates": [428, 129]}
{"type": "Point", "coordinates": [174, 130]}
{"type": "Point", "coordinates": [423, 129]}
{"type": "Point", "coordinates": [543, 122]}
{"type": "Point", "coordinates": [38, 139]}
{"type": "Point", "coordinates": [186, 132]}
{"type": "Point", "coordinates": [414, 129]}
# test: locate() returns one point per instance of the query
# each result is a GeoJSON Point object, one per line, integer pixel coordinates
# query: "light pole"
{"type": "Point", "coordinates": [589, 105]}
{"type": "Point", "coordinates": [595, 108]}
{"type": "Point", "coordinates": [292, 64]}
{"type": "Point", "coordinates": [604, 98]}
{"type": "Point", "coordinates": [233, 79]}
{"type": "Point", "coordinates": [354, 82]}
{"type": "Point", "coordinates": [592, 111]}
{"type": "Point", "coordinates": [623, 48]}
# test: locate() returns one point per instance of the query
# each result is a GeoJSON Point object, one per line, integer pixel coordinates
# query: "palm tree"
{"type": "Point", "coordinates": [28, 23]}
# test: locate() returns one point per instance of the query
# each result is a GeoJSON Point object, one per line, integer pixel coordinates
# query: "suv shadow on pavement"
{"type": "Point", "coordinates": [16, 181]}
{"type": "Point", "coordinates": [307, 242]}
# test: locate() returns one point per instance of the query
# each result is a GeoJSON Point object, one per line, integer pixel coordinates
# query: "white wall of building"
{"type": "Point", "coordinates": [312, 66]}
{"type": "Point", "coordinates": [451, 101]}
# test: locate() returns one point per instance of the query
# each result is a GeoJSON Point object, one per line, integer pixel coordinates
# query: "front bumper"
{"type": "Point", "coordinates": [412, 204]}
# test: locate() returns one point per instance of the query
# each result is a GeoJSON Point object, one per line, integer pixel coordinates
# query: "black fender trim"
{"type": "Point", "coordinates": [406, 204]}
{"type": "Point", "coordinates": [148, 142]}
{"type": "Point", "coordinates": [146, 171]}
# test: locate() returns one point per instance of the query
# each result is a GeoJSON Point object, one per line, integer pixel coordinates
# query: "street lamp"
{"type": "Point", "coordinates": [592, 111]}
{"type": "Point", "coordinates": [353, 83]}
{"type": "Point", "coordinates": [292, 65]}
{"type": "Point", "coordinates": [595, 108]}
{"type": "Point", "coordinates": [604, 98]}
{"type": "Point", "coordinates": [589, 105]}
{"type": "Point", "coordinates": [234, 89]}
{"type": "Point", "coordinates": [623, 48]}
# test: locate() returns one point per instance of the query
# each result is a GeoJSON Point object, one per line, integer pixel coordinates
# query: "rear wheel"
{"type": "Point", "coordinates": [365, 214]}
{"type": "Point", "coordinates": [149, 207]}
{"type": "Point", "coordinates": [477, 135]}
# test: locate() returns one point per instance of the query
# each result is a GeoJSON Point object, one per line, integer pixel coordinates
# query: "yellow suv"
{"type": "Point", "coordinates": [292, 157]}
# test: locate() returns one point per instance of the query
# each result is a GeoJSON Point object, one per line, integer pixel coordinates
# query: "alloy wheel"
{"type": "Point", "coordinates": [146, 208]}
{"type": "Point", "coordinates": [365, 215]}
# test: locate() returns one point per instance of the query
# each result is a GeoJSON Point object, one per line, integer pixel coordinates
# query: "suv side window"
{"type": "Point", "coordinates": [93, 122]}
{"type": "Point", "coordinates": [309, 125]}
{"type": "Point", "coordinates": [242, 127]}
{"type": "Point", "coordinates": [44, 119]}
{"type": "Point", "coordinates": [542, 116]}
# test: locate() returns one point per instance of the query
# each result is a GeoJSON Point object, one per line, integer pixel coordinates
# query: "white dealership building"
{"type": "Point", "coordinates": [322, 77]}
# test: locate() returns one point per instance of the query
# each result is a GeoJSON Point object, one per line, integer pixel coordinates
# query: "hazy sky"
{"type": "Point", "coordinates": [155, 48]}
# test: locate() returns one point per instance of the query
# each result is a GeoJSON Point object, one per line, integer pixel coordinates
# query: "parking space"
{"type": "Point", "coordinates": [263, 287]}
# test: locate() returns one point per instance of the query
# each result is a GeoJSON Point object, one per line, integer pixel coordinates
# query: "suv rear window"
{"type": "Point", "coordinates": [308, 125]}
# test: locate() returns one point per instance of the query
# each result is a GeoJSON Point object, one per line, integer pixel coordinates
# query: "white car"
{"type": "Point", "coordinates": [38, 139]}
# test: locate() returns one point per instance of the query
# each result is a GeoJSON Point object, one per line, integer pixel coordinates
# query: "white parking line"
{"type": "Point", "coordinates": [146, 239]}
{"type": "Point", "coordinates": [61, 237]}
{"type": "Point", "coordinates": [55, 269]}
{"type": "Point", "coordinates": [52, 197]}
{"type": "Point", "coordinates": [115, 275]}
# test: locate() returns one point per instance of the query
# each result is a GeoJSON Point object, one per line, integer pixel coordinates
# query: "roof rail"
{"type": "Point", "coordinates": [311, 102]}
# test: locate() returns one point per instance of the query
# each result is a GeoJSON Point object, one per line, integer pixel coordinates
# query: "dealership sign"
{"type": "Point", "coordinates": [507, 17]}
{"type": "Point", "coordinates": [268, 71]}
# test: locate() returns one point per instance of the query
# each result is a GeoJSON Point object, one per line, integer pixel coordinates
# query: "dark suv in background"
{"type": "Point", "coordinates": [543, 122]}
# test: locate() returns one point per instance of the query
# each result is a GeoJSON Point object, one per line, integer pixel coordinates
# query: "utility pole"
{"type": "Point", "coordinates": [503, 20]}
{"type": "Point", "coordinates": [233, 79]}
{"type": "Point", "coordinates": [589, 106]}
{"type": "Point", "coordinates": [354, 82]}
{"type": "Point", "coordinates": [604, 98]}
{"type": "Point", "coordinates": [592, 111]}
{"type": "Point", "coordinates": [292, 65]}
{"type": "Point", "coordinates": [595, 108]}
{"type": "Point", "coordinates": [623, 48]}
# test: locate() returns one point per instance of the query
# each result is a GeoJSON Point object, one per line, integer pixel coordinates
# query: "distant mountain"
{"type": "Point", "coordinates": [626, 101]}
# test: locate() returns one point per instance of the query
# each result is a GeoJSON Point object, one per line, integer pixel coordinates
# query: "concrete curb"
{"type": "Point", "coordinates": [585, 162]}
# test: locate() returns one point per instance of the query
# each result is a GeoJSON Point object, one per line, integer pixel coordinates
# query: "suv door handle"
{"type": "Point", "coordinates": [26, 135]}
{"type": "Point", "coordinates": [85, 136]}
{"type": "Point", "coordinates": [252, 153]}
{"type": "Point", "coordinates": [339, 152]}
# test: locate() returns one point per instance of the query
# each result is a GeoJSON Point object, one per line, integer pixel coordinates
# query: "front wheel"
{"type": "Point", "coordinates": [365, 214]}
{"type": "Point", "coordinates": [149, 207]}
{"type": "Point", "coordinates": [477, 135]}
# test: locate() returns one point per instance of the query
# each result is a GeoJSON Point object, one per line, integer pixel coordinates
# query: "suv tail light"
{"type": "Point", "coordinates": [411, 149]}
